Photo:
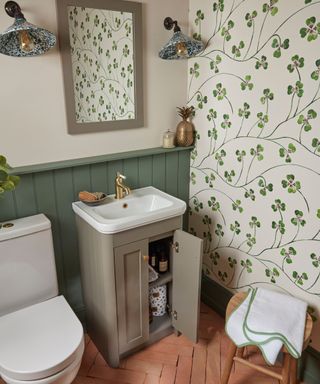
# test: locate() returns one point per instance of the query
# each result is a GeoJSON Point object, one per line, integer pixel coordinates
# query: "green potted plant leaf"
{"type": "Point", "coordinates": [7, 182]}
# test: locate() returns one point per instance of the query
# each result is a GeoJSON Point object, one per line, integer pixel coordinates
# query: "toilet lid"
{"type": "Point", "coordinates": [40, 340]}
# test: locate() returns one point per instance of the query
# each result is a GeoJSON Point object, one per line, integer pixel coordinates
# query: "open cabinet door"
{"type": "Point", "coordinates": [186, 283]}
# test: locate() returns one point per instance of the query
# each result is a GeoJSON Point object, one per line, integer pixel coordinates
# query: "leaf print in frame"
{"type": "Point", "coordinates": [101, 46]}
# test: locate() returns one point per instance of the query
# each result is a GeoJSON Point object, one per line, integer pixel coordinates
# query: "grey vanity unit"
{"type": "Point", "coordinates": [114, 270]}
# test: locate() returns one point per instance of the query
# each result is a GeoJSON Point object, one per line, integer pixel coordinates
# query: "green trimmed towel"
{"type": "Point", "coordinates": [269, 319]}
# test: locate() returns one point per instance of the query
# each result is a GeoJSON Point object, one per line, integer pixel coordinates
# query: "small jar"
{"type": "Point", "coordinates": [168, 139]}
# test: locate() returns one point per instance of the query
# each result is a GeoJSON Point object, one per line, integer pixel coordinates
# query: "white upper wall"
{"type": "Point", "coordinates": [33, 125]}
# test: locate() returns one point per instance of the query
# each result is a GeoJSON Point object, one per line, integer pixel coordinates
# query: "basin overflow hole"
{"type": "Point", "coordinates": [6, 225]}
{"type": "Point", "coordinates": [125, 205]}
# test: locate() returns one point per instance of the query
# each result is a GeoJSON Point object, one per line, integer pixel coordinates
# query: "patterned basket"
{"type": "Point", "coordinates": [158, 300]}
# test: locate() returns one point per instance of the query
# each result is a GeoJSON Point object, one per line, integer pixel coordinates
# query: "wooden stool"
{"type": "Point", "coordinates": [289, 368]}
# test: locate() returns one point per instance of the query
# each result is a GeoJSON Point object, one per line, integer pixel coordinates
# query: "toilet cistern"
{"type": "Point", "coordinates": [41, 339]}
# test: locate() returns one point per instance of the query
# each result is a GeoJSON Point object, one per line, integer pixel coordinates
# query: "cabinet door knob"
{"type": "Point", "coordinates": [145, 258]}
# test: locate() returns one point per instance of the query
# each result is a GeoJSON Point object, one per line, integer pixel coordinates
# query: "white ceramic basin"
{"type": "Point", "coordinates": [143, 206]}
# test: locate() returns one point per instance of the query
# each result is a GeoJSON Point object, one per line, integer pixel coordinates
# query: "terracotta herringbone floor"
{"type": "Point", "coordinates": [174, 360]}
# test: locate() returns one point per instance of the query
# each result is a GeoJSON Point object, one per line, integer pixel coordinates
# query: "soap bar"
{"type": "Point", "coordinates": [88, 196]}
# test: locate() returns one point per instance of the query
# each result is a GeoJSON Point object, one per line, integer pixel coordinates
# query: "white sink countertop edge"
{"type": "Point", "coordinates": [112, 226]}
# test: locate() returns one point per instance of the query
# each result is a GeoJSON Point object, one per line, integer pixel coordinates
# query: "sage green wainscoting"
{"type": "Point", "coordinates": [51, 188]}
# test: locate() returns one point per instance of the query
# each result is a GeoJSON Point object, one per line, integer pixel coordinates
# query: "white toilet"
{"type": "Point", "coordinates": [41, 339]}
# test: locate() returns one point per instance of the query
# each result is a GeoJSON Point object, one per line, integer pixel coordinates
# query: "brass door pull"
{"type": "Point", "coordinates": [175, 246]}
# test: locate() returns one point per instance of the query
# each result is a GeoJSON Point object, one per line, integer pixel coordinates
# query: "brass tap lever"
{"type": "Point", "coordinates": [121, 189]}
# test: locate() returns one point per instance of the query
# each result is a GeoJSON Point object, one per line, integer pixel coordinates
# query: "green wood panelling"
{"type": "Point", "coordinates": [46, 202]}
{"type": "Point", "coordinates": [214, 295]}
{"type": "Point", "coordinates": [99, 177]}
{"type": "Point", "coordinates": [145, 171]}
{"type": "Point", "coordinates": [67, 232]}
{"type": "Point", "coordinates": [51, 191]}
{"type": "Point", "coordinates": [159, 172]}
{"type": "Point", "coordinates": [130, 170]}
{"type": "Point", "coordinates": [25, 198]}
{"type": "Point", "coordinates": [7, 207]}
{"type": "Point", "coordinates": [81, 180]}
{"type": "Point", "coordinates": [183, 180]}
{"type": "Point", "coordinates": [172, 173]}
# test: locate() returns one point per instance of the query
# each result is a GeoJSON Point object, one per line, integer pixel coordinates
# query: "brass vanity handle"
{"type": "Point", "coordinates": [175, 246]}
{"type": "Point", "coordinates": [145, 258]}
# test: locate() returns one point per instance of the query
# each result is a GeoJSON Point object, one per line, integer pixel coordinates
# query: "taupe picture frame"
{"type": "Point", "coordinates": [103, 91]}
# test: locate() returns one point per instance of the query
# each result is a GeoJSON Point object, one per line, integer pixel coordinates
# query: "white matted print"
{"type": "Point", "coordinates": [102, 64]}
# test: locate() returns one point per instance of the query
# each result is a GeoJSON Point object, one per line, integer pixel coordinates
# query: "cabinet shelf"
{"type": "Point", "coordinates": [160, 324]}
{"type": "Point", "coordinates": [162, 279]}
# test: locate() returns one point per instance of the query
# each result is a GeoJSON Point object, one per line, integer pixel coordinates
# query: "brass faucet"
{"type": "Point", "coordinates": [121, 189]}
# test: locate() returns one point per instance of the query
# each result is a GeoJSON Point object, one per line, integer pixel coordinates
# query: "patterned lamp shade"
{"type": "Point", "coordinates": [24, 39]}
{"type": "Point", "coordinates": [179, 46]}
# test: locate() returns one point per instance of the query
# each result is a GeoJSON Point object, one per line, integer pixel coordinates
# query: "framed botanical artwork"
{"type": "Point", "coordinates": [101, 49]}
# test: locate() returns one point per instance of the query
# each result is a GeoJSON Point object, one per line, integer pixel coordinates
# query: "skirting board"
{"type": "Point", "coordinates": [217, 297]}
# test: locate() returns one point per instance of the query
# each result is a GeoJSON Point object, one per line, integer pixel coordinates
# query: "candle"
{"type": "Point", "coordinates": [168, 139]}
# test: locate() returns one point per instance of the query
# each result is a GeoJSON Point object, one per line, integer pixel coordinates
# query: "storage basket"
{"type": "Point", "coordinates": [158, 300]}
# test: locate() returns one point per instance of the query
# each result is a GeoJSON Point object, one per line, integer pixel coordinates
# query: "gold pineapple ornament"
{"type": "Point", "coordinates": [185, 130]}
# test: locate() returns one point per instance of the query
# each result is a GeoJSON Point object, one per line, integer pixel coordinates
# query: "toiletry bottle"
{"type": "Point", "coordinates": [153, 260]}
{"type": "Point", "coordinates": [163, 262]}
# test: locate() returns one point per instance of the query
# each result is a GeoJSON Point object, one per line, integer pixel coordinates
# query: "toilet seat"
{"type": "Point", "coordinates": [67, 375]}
{"type": "Point", "coordinates": [40, 341]}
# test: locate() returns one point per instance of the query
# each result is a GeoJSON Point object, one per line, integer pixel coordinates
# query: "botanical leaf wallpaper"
{"type": "Point", "coordinates": [102, 63]}
{"type": "Point", "coordinates": [255, 168]}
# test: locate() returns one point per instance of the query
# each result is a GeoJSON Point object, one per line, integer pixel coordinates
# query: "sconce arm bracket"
{"type": "Point", "coordinates": [169, 23]}
{"type": "Point", "coordinates": [13, 10]}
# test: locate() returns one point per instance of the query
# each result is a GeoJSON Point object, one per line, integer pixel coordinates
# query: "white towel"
{"type": "Point", "coordinates": [269, 319]}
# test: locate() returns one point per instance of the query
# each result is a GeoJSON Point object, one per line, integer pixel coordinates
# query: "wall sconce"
{"type": "Point", "coordinates": [179, 46]}
{"type": "Point", "coordinates": [22, 38]}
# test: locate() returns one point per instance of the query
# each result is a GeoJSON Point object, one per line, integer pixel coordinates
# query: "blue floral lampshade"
{"type": "Point", "coordinates": [179, 46]}
{"type": "Point", "coordinates": [24, 39]}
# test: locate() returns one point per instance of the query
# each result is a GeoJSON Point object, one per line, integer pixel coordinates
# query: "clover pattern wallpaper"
{"type": "Point", "coordinates": [102, 63]}
{"type": "Point", "coordinates": [255, 169]}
